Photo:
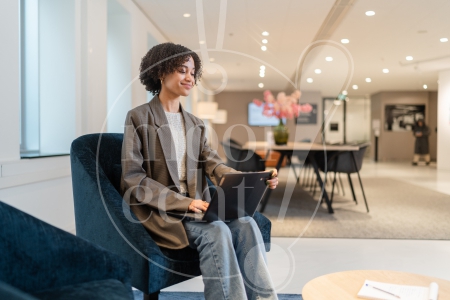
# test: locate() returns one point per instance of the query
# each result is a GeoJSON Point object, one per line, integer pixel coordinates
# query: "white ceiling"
{"type": "Point", "coordinates": [399, 28]}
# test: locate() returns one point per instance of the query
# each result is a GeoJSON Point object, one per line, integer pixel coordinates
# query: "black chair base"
{"type": "Point", "coordinates": [154, 296]}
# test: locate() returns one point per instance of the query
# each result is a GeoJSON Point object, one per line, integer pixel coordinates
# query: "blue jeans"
{"type": "Point", "coordinates": [232, 259]}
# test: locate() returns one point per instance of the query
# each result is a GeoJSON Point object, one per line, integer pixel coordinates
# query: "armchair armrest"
{"type": "Point", "coordinates": [11, 293]}
{"type": "Point", "coordinates": [49, 257]}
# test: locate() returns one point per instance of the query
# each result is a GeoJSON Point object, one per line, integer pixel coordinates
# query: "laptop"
{"type": "Point", "coordinates": [237, 195]}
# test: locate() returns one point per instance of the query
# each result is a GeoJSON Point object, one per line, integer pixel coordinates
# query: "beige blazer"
{"type": "Point", "coordinates": [150, 182]}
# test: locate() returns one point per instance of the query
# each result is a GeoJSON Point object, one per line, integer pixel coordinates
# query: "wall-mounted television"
{"type": "Point", "coordinates": [256, 117]}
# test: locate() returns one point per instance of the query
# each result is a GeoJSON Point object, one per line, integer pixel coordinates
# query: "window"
{"type": "Point", "coordinates": [119, 66]}
{"type": "Point", "coordinates": [48, 119]}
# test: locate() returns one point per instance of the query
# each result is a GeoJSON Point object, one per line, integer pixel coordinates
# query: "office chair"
{"type": "Point", "coordinates": [347, 162]}
{"type": "Point", "coordinates": [242, 159]}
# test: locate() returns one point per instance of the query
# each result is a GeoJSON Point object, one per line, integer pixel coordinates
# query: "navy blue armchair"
{"type": "Point", "coordinates": [39, 261]}
{"type": "Point", "coordinates": [104, 218]}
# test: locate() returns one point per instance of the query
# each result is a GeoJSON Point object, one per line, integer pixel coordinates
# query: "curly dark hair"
{"type": "Point", "coordinates": [164, 59]}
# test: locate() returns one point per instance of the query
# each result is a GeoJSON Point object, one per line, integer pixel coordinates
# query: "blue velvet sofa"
{"type": "Point", "coordinates": [39, 261]}
{"type": "Point", "coordinates": [103, 217]}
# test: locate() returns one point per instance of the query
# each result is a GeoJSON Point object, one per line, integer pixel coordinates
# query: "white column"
{"type": "Point", "coordinates": [94, 62]}
{"type": "Point", "coordinates": [443, 138]}
{"type": "Point", "coordinates": [10, 81]}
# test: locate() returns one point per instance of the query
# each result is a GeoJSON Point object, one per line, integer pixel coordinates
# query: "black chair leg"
{"type": "Point", "coordinates": [306, 178]}
{"type": "Point", "coordinates": [342, 186]}
{"type": "Point", "coordinates": [312, 181]}
{"type": "Point", "coordinates": [360, 181]}
{"type": "Point", "coordinates": [289, 161]}
{"type": "Point", "coordinates": [153, 296]}
{"type": "Point", "coordinates": [351, 187]}
{"type": "Point", "coordinates": [332, 189]}
{"type": "Point", "coordinates": [300, 176]}
{"type": "Point", "coordinates": [362, 189]}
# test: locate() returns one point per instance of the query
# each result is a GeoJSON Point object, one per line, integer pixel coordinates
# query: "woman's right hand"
{"type": "Point", "coordinates": [198, 206]}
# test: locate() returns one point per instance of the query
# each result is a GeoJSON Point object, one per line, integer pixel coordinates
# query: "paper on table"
{"type": "Point", "coordinates": [434, 291]}
{"type": "Point", "coordinates": [406, 292]}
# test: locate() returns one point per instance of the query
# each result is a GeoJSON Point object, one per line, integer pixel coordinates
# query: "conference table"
{"type": "Point", "coordinates": [306, 150]}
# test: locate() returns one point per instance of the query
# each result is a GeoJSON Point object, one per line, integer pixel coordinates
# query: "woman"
{"type": "Point", "coordinates": [165, 161]}
{"type": "Point", "coordinates": [421, 132]}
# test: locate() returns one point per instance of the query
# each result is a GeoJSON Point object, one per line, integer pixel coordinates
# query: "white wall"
{"type": "Point", "coordinates": [42, 186]}
{"type": "Point", "coordinates": [443, 158]}
{"type": "Point", "coordinates": [334, 115]}
{"type": "Point", "coordinates": [358, 120]}
{"type": "Point", "coordinates": [9, 81]}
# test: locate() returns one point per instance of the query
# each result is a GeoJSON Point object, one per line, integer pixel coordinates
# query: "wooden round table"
{"type": "Point", "coordinates": [346, 285]}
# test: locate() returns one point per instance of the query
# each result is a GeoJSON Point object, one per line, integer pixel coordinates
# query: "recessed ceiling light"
{"type": "Point", "coordinates": [309, 80]}
{"type": "Point", "coordinates": [265, 33]}
{"type": "Point", "coordinates": [370, 13]}
{"type": "Point", "coordinates": [409, 58]}
{"type": "Point", "coordinates": [263, 48]}
{"type": "Point", "coordinates": [425, 86]}
{"type": "Point", "coordinates": [211, 59]}
{"type": "Point", "coordinates": [261, 75]}
{"type": "Point", "coordinates": [201, 42]}
{"type": "Point", "coordinates": [264, 41]}
{"type": "Point", "coordinates": [317, 71]}
{"type": "Point", "coordinates": [186, 15]}
{"type": "Point", "coordinates": [262, 67]}
{"type": "Point", "coordinates": [344, 93]}
{"type": "Point", "coordinates": [355, 87]}
{"type": "Point", "coordinates": [260, 85]}
{"type": "Point", "coordinates": [328, 58]}
{"type": "Point", "coordinates": [444, 40]}
{"type": "Point", "coordinates": [368, 80]}
{"type": "Point", "coordinates": [386, 71]}
{"type": "Point", "coordinates": [345, 41]}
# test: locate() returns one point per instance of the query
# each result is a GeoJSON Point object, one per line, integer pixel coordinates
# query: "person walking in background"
{"type": "Point", "coordinates": [421, 148]}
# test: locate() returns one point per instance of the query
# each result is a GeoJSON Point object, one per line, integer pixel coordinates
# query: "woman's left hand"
{"type": "Point", "coordinates": [273, 181]}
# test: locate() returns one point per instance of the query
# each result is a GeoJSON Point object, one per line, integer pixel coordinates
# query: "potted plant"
{"type": "Point", "coordinates": [282, 107]}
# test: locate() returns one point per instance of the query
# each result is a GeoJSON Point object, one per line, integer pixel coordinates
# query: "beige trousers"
{"type": "Point", "coordinates": [424, 156]}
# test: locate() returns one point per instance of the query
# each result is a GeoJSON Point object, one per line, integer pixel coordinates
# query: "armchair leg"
{"type": "Point", "coordinates": [153, 296]}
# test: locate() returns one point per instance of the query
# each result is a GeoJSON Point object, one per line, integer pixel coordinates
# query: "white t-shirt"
{"type": "Point", "coordinates": [178, 130]}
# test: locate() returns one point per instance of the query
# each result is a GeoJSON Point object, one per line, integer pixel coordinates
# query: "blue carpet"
{"type": "Point", "coordinates": [199, 296]}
